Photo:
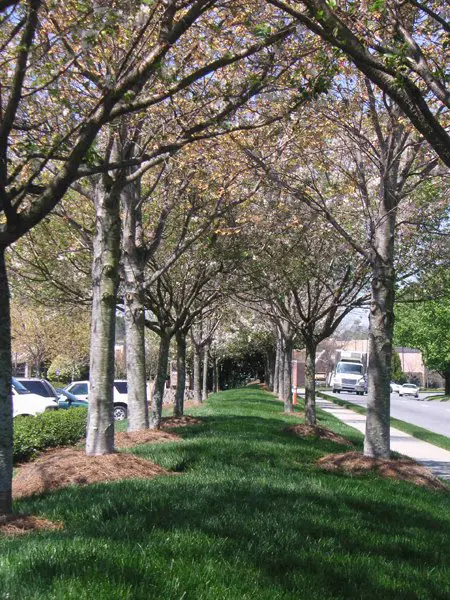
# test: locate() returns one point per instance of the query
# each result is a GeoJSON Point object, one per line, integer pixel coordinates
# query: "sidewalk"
{"type": "Point", "coordinates": [436, 459]}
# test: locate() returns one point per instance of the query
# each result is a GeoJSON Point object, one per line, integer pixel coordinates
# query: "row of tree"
{"type": "Point", "coordinates": [184, 125]}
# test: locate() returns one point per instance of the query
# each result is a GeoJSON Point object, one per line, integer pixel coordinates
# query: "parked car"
{"type": "Point", "coordinates": [41, 387]}
{"type": "Point", "coordinates": [409, 389]}
{"type": "Point", "coordinates": [68, 400]}
{"type": "Point", "coordinates": [25, 403]}
{"type": "Point", "coordinates": [395, 387]}
{"type": "Point", "coordinates": [80, 389]}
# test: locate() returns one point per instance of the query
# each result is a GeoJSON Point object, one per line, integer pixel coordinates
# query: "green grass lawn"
{"type": "Point", "coordinates": [248, 516]}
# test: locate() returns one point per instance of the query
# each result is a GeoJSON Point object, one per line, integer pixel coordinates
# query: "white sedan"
{"type": "Point", "coordinates": [409, 389]}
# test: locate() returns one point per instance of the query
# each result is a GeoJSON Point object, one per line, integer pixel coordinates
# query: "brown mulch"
{"type": "Point", "coordinates": [183, 421]}
{"type": "Point", "coordinates": [190, 403]}
{"type": "Point", "coordinates": [300, 414]}
{"type": "Point", "coordinates": [11, 525]}
{"type": "Point", "coordinates": [403, 469]}
{"type": "Point", "coordinates": [69, 466]}
{"type": "Point", "coordinates": [125, 439]}
{"type": "Point", "coordinates": [322, 433]}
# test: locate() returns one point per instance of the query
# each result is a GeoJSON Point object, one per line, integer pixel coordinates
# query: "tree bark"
{"type": "Point", "coordinates": [160, 383]}
{"type": "Point", "coordinates": [270, 370]}
{"type": "Point", "coordinates": [215, 374]}
{"type": "Point", "coordinates": [276, 373]}
{"type": "Point", "coordinates": [447, 380]}
{"type": "Point", "coordinates": [197, 373]}
{"type": "Point", "coordinates": [133, 269]}
{"type": "Point", "coordinates": [6, 410]}
{"type": "Point", "coordinates": [178, 410]}
{"type": "Point", "coordinates": [287, 375]}
{"type": "Point", "coordinates": [205, 374]}
{"type": "Point", "coordinates": [310, 385]}
{"type": "Point", "coordinates": [105, 280]}
{"type": "Point", "coordinates": [377, 438]}
{"type": "Point", "coordinates": [281, 361]}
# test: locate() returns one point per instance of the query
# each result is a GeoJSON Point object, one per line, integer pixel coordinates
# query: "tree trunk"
{"type": "Point", "coordinates": [281, 360]}
{"type": "Point", "coordinates": [310, 385]}
{"type": "Point", "coordinates": [287, 375]}
{"type": "Point", "coordinates": [178, 410]}
{"type": "Point", "coordinates": [215, 374]}
{"type": "Point", "coordinates": [205, 374]}
{"type": "Point", "coordinates": [276, 371]}
{"type": "Point", "coordinates": [160, 383]}
{"type": "Point", "coordinates": [447, 380]}
{"type": "Point", "coordinates": [270, 370]}
{"type": "Point", "coordinates": [197, 373]}
{"type": "Point", "coordinates": [377, 438]}
{"type": "Point", "coordinates": [105, 280]}
{"type": "Point", "coordinates": [6, 412]}
{"type": "Point", "coordinates": [134, 311]}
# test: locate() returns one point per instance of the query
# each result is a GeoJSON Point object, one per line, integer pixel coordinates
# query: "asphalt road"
{"type": "Point", "coordinates": [432, 415]}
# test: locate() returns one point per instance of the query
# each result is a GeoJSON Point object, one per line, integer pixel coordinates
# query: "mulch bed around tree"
{"type": "Point", "coordinates": [61, 467]}
{"type": "Point", "coordinates": [322, 433]}
{"type": "Point", "coordinates": [404, 469]}
{"type": "Point", "coordinates": [128, 439]}
{"type": "Point", "coordinates": [183, 421]}
{"type": "Point", "coordinates": [11, 525]}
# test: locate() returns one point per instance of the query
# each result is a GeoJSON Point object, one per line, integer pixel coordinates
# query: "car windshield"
{"type": "Point", "coordinates": [41, 388]}
{"type": "Point", "coordinates": [410, 385]}
{"type": "Point", "coordinates": [18, 387]}
{"type": "Point", "coordinates": [121, 387]}
{"type": "Point", "coordinates": [349, 368]}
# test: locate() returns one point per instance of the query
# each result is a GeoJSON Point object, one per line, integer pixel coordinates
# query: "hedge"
{"type": "Point", "coordinates": [48, 430]}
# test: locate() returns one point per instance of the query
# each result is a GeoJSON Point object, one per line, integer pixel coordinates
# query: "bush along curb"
{"type": "Point", "coordinates": [48, 430]}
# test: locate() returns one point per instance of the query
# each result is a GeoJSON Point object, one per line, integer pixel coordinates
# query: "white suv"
{"type": "Point", "coordinates": [80, 389]}
{"type": "Point", "coordinates": [27, 404]}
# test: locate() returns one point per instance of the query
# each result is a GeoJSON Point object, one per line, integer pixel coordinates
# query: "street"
{"type": "Point", "coordinates": [434, 415]}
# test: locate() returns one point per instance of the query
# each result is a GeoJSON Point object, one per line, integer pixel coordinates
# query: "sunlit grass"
{"type": "Point", "coordinates": [248, 516]}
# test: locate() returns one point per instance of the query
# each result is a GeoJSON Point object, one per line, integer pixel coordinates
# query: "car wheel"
{"type": "Point", "coordinates": [120, 413]}
{"type": "Point", "coordinates": [400, 395]}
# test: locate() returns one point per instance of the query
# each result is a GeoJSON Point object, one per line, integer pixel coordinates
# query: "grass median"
{"type": "Point", "coordinates": [248, 516]}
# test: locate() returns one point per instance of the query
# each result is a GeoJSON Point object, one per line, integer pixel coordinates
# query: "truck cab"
{"type": "Point", "coordinates": [349, 375]}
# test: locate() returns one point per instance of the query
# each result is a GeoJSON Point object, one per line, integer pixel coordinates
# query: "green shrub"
{"type": "Point", "coordinates": [64, 369]}
{"type": "Point", "coordinates": [48, 430]}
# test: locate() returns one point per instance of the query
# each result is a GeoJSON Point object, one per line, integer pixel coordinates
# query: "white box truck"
{"type": "Point", "coordinates": [349, 374]}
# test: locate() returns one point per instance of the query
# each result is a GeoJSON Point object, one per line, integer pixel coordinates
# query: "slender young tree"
{"type": "Point", "coordinates": [381, 164]}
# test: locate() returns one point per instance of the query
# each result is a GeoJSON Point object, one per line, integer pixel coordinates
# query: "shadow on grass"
{"type": "Point", "coordinates": [251, 517]}
{"type": "Point", "coordinates": [342, 542]}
